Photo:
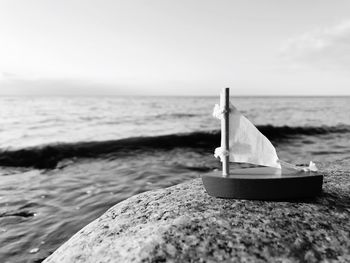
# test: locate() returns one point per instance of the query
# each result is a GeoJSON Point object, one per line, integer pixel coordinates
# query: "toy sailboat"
{"type": "Point", "coordinates": [242, 142]}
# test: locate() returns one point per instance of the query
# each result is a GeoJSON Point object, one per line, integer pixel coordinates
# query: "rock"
{"type": "Point", "coordinates": [183, 224]}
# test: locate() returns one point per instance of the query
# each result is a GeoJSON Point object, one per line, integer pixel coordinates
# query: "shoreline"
{"type": "Point", "coordinates": [183, 223]}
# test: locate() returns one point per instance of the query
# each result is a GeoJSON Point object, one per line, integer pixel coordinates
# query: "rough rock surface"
{"type": "Point", "coordinates": [183, 224]}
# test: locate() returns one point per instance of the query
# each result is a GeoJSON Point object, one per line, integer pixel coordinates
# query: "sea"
{"type": "Point", "coordinates": [64, 161]}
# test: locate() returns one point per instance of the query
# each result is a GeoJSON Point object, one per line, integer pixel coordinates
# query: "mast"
{"type": "Point", "coordinates": [225, 131]}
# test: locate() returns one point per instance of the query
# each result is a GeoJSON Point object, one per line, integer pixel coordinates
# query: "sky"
{"type": "Point", "coordinates": [182, 47]}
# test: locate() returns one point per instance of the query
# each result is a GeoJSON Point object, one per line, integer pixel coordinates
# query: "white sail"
{"type": "Point", "coordinates": [246, 143]}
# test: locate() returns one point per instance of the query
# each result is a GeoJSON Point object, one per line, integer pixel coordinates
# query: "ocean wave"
{"type": "Point", "coordinates": [174, 115]}
{"type": "Point", "coordinates": [48, 156]}
{"type": "Point", "coordinates": [280, 132]}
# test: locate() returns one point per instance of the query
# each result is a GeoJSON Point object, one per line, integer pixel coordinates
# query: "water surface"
{"type": "Point", "coordinates": [65, 161]}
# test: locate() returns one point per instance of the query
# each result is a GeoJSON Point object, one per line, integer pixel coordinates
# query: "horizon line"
{"type": "Point", "coordinates": [171, 95]}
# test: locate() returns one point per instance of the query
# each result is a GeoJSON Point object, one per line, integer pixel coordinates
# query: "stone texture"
{"type": "Point", "coordinates": [183, 224]}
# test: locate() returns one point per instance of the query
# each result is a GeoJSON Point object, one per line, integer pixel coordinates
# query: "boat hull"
{"type": "Point", "coordinates": [263, 184]}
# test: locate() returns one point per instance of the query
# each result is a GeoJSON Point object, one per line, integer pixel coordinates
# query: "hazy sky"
{"type": "Point", "coordinates": [177, 47]}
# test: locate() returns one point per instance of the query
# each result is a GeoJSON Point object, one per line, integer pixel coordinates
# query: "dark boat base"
{"type": "Point", "coordinates": [263, 183]}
